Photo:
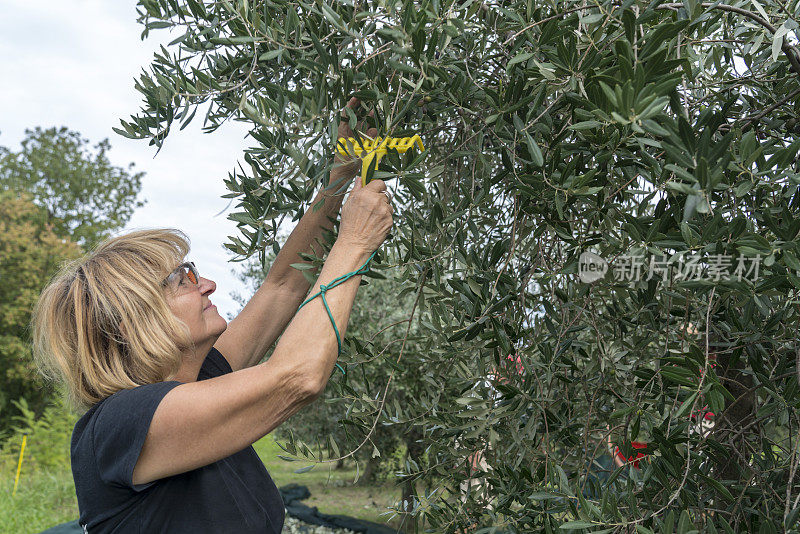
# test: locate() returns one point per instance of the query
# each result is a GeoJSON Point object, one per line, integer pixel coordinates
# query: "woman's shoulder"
{"type": "Point", "coordinates": [125, 402]}
{"type": "Point", "coordinates": [124, 407]}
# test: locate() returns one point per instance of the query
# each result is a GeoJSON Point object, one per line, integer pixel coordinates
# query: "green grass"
{"type": "Point", "coordinates": [46, 498]}
{"type": "Point", "coordinates": [43, 500]}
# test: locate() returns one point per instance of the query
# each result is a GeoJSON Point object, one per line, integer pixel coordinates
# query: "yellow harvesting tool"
{"type": "Point", "coordinates": [375, 149]}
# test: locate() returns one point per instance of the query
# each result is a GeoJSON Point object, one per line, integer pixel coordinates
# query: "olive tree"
{"type": "Point", "coordinates": [597, 177]}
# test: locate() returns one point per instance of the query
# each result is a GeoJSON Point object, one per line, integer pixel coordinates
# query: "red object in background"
{"type": "Point", "coordinates": [634, 459]}
{"type": "Point", "coordinates": [513, 362]}
{"type": "Point", "coordinates": [709, 416]}
{"type": "Point", "coordinates": [706, 414]}
{"type": "Point", "coordinates": [516, 360]}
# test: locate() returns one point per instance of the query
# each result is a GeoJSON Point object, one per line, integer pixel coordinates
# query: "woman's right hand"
{"type": "Point", "coordinates": [366, 216]}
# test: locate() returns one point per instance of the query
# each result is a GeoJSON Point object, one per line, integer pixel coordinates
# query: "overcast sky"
{"type": "Point", "coordinates": [73, 63]}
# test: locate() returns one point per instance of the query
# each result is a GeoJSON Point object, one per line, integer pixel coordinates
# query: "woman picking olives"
{"type": "Point", "coordinates": [174, 397]}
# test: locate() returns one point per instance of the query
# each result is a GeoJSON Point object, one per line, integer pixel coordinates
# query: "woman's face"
{"type": "Point", "coordinates": [190, 303]}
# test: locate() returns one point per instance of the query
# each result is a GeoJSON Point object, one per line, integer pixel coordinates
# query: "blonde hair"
{"type": "Point", "coordinates": [103, 324]}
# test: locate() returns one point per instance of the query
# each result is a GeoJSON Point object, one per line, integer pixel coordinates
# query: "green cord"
{"type": "Point", "coordinates": [323, 288]}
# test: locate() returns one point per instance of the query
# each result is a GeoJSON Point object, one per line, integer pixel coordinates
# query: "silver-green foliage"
{"type": "Point", "coordinates": [551, 128]}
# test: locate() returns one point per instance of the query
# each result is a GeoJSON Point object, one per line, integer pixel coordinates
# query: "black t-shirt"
{"type": "Point", "coordinates": [234, 494]}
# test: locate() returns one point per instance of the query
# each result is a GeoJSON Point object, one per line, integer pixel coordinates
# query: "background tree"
{"type": "Point", "coordinates": [57, 197]}
{"type": "Point", "coordinates": [86, 197]}
{"type": "Point", "coordinates": [661, 130]}
{"type": "Point", "coordinates": [30, 252]}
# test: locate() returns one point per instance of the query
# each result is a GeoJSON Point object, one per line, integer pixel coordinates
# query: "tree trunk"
{"type": "Point", "coordinates": [370, 472]}
{"type": "Point", "coordinates": [414, 451]}
{"type": "Point", "coordinates": [737, 414]}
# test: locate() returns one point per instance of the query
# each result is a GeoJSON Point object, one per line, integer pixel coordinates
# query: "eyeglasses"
{"type": "Point", "coordinates": [185, 270]}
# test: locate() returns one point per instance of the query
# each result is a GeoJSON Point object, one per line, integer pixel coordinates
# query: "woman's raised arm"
{"type": "Point", "coordinates": [258, 325]}
{"type": "Point", "coordinates": [201, 422]}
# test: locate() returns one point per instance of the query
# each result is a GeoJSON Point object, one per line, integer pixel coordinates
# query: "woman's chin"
{"type": "Point", "coordinates": [223, 324]}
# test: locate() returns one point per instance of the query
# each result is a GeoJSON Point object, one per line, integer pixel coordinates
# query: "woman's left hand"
{"type": "Point", "coordinates": [344, 166]}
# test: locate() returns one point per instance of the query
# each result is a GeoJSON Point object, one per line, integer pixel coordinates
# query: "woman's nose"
{"type": "Point", "coordinates": [207, 286]}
